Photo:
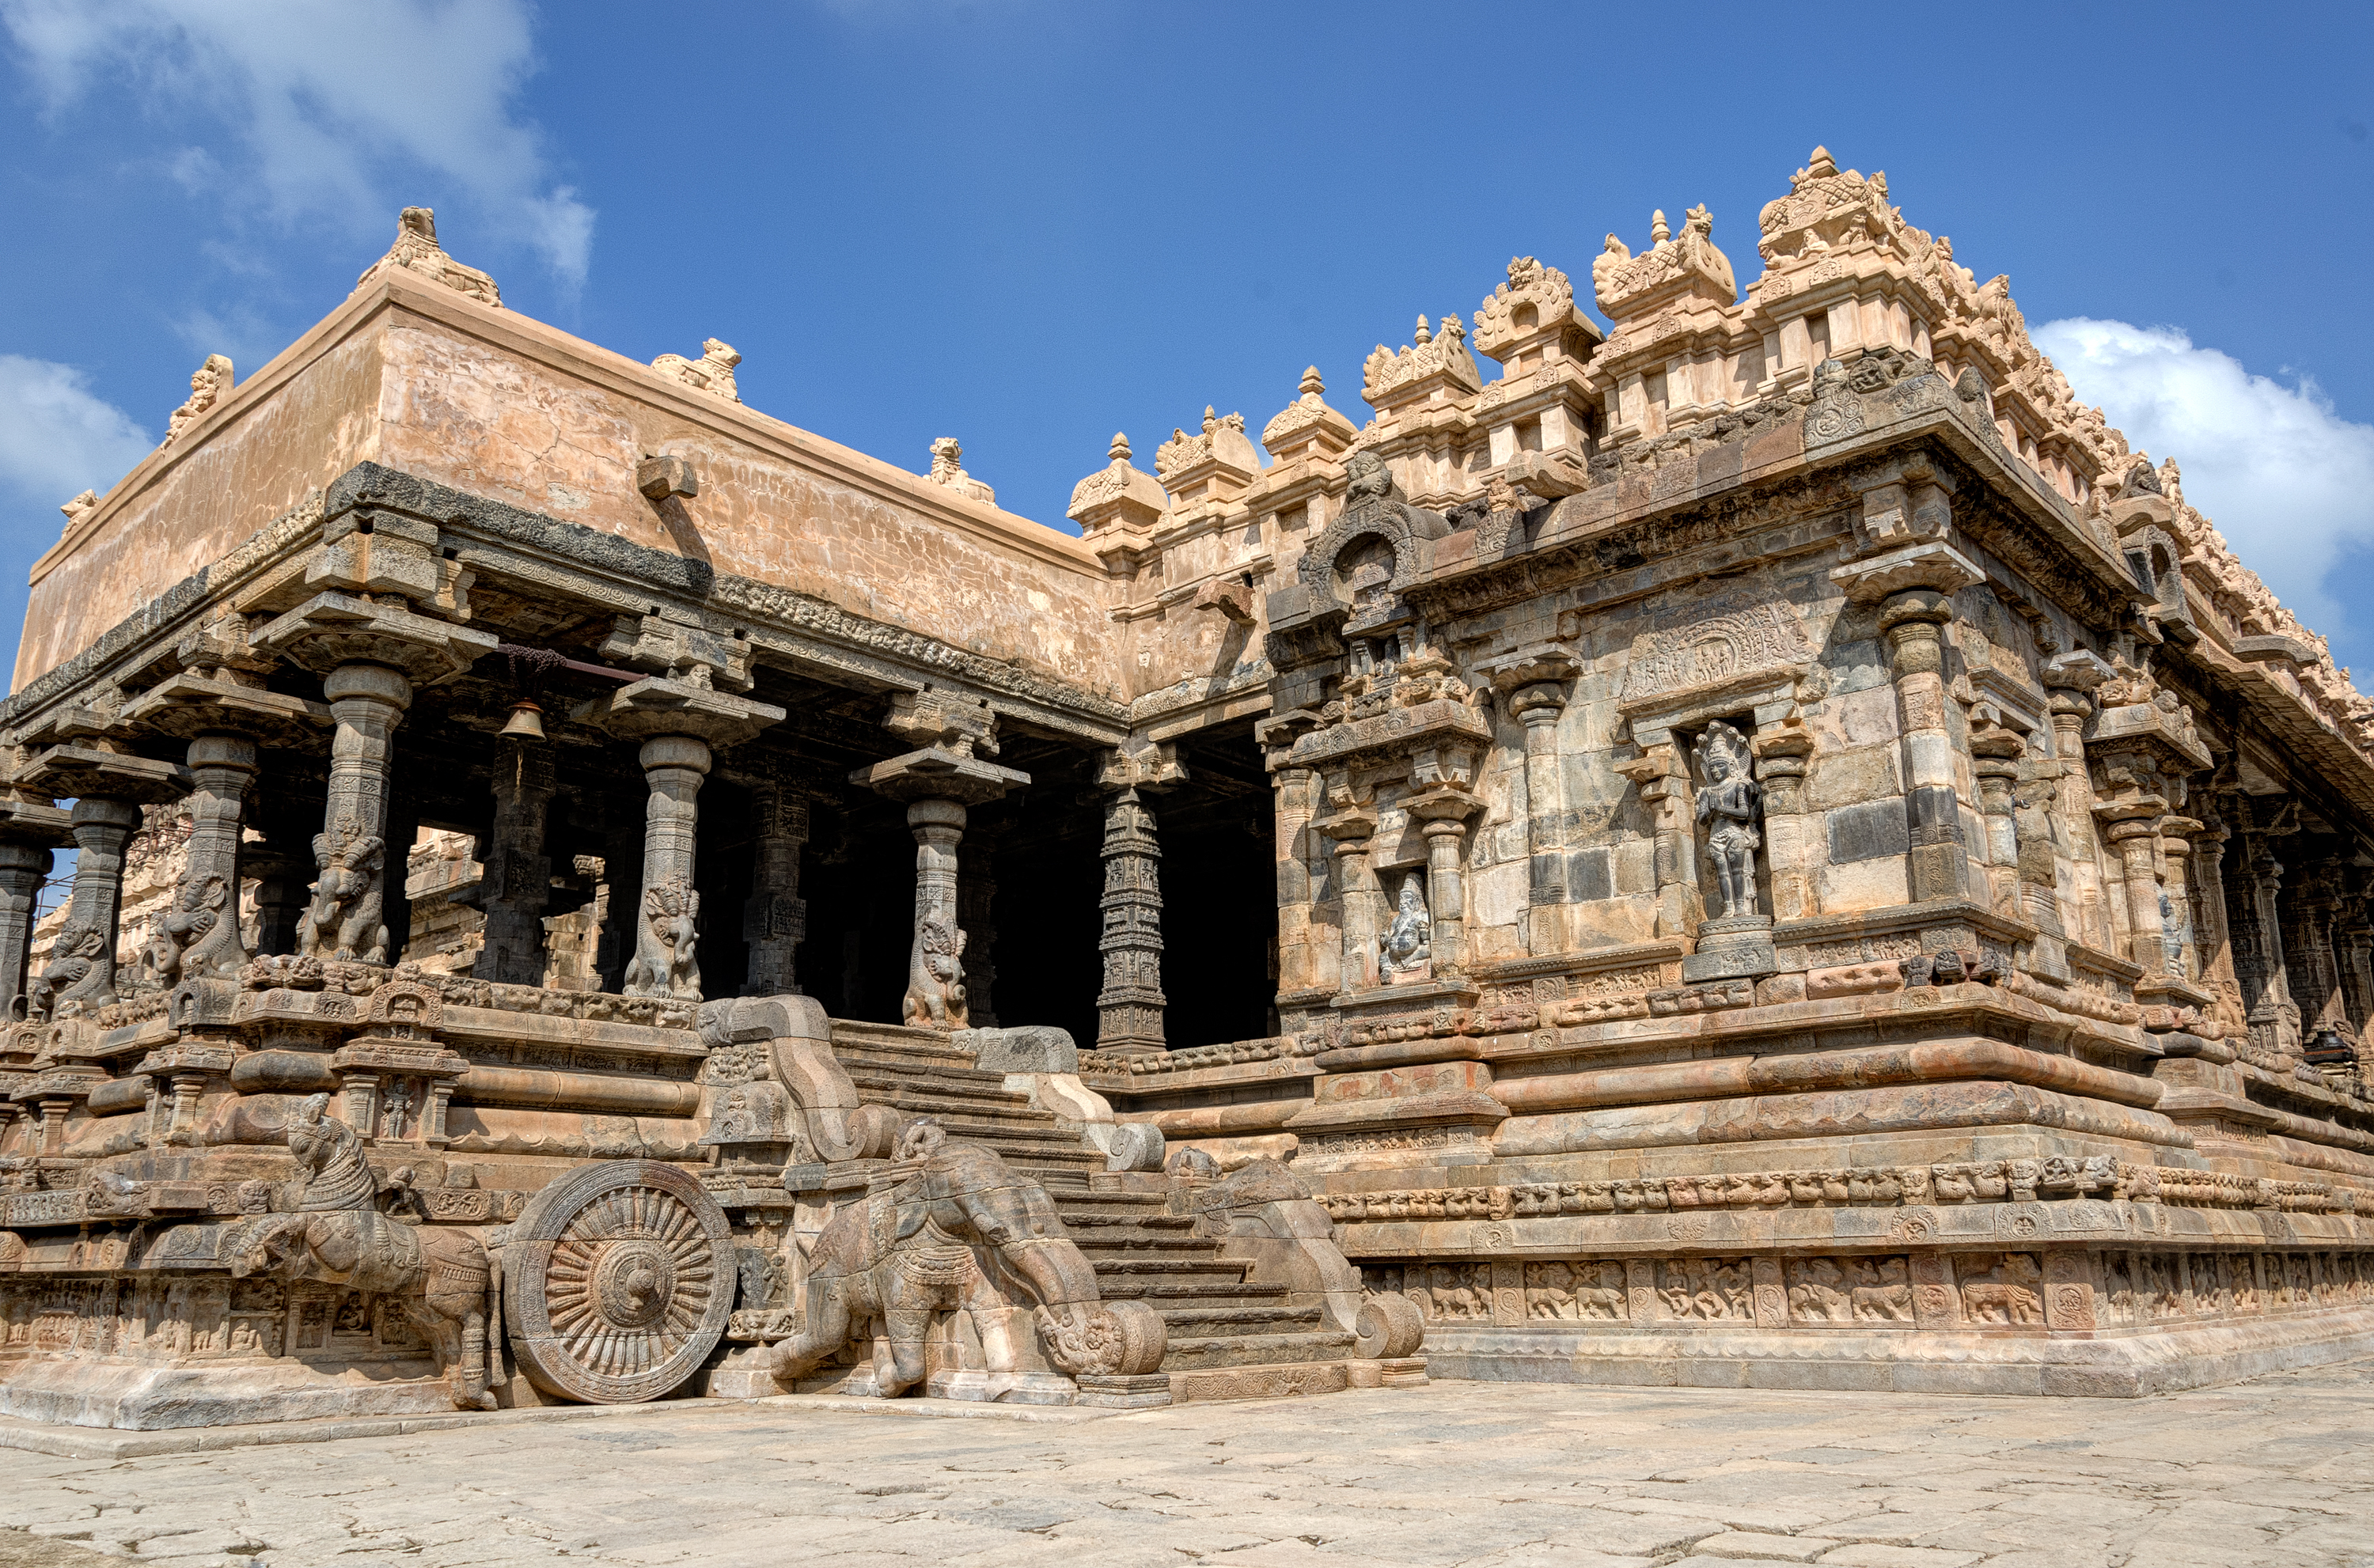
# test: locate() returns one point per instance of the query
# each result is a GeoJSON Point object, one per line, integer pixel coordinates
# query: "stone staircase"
{"type": "Point", "coordinates": [1229, 1337]}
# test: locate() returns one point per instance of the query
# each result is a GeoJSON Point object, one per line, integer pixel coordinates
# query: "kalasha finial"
{"type": "Point", "coordinates": [1119, 451]}
{"type": "Point", "coordinates": [1425, 333]}
{"type": "Point", "coordinates": [1311, 385]}
{"type": "Point", "coordinates": [1821, 166]}
{"type": "Point", "coordinates": [1659, 230]}
{"type": "Point", "coordinates": [1210, 419]}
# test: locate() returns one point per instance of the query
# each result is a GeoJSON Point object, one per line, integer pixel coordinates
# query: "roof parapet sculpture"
{"type": "Point", "coordinates": [1307, 427]}
{"type": "Point", "coordinates": [1430, 368]}
{"type": "Point", "coordinates": [1668, 271]}
{"type": "Point", "coordinates": [712, 372]}
{"type": "Point", "coordinates": [415, 249]}
{"type": "Point", "coordinates": [947, 470]}
{"type": "Point", "coordinates": [208, 385]}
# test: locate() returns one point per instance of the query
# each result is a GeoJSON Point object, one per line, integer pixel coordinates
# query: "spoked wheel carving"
{"type": "Point", "coordinates": [618, 1280]}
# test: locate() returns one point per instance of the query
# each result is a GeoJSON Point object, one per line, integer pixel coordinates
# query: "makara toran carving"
{"type": "Point", "coordinates": [512, 958]}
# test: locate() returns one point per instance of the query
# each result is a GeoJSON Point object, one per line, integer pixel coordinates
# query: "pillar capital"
{"type": "Point", "coordinates": [189, 704]}
{"type": "Point", "coordinates": [660, 705]}
{"type": "Point", "coordinates": [937, 773]}
{"type": "Point", "coordinates": [1151, 766]}
{"type": "Point", "coordinates": [337, 628]}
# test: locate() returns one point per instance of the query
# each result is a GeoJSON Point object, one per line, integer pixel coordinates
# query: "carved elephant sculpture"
{"type": "Point", "coordinates": [946, 1226]}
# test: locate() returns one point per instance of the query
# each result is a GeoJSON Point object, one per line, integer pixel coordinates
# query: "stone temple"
{"type": "Point", "coordinates": [1765, 846]}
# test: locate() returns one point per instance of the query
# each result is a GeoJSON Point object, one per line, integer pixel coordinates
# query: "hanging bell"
{"type": "Point", "coordinates": [526, 720]}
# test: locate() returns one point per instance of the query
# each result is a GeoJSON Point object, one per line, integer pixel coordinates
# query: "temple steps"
{"type": "Point", "coordinates": [1255, 1349]}
{"type": "Point", "coordinates": [1140, 1250]}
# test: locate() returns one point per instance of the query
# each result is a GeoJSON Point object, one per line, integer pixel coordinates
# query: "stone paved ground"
{"type": "Point", "coordinates": [2279, 1471]}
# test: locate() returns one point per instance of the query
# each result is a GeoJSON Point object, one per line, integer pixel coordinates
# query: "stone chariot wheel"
{"type": "Point", "coordinates": [618, 1280]}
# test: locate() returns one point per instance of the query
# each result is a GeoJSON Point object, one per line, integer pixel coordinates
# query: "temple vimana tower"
{"type": "Point", "coordinates": [1763, 845]}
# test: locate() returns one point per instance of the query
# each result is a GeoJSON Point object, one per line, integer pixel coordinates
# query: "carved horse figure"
{"type": "Point", "coordinates": [946, 1226]}
{"type": "Point", "coordinates": [336, 1235]}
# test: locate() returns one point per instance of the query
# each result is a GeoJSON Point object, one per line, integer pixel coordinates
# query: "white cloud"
{"type": "Point", "coordinates": [2286, 480]}
{"type": "Point", "coordinates": [56, 440]}
{"type": "Point", "coordinates": [340, 108]}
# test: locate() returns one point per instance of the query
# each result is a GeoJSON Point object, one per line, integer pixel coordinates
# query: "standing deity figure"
{"type": "Point", "coordinates": [1729, 802]}
{"type": "Point", "coordinates": [1407, 945]}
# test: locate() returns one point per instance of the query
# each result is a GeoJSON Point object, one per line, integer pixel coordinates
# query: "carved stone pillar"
{"type": "Point", "coordinates": [2211, 938]}
{"type": "Point", "coordinates": [1128, 1007]}
{"type": "Point", "coordinates": [665, 962]}
{"type": "Point", "coordinates": [2354, 949]}
{"type": "Point", "coordinates": [1994, 760]}
{"type": "Point", "coordinates": [2307, 948]}
{"type": "Point", "coordinates": [29, 826]}
{"type": "Point", "coordinates": [2254, 886]}
{"type": "Point", "coordinates": [2183, 910]}
{"type": "Point", "coordinates": [1938, 864]}
{"type": "Point", "coordinates": [23, 869]}
{"type": "Point", "coordinates": [1303, 964]}
{"type": "Point", "coordinates": [224, 766]}
{"type": "Point", "coordinates": [775, 919]}
{"type": "Point", "coordinates": [2134, 833]}
{"type": "Point", "coordinates": [1664, 780]}
{"type": "Point", "coordinates": [1446, 810]}
{"type": "Point", "coordinates": [2071, 677]}
{"type": "Point", "coordinates": [354, 859]}
{"type": "Point", "coordinates": [1350, 828]}
{"type": "Point", "coordinates": [1538, 707]}
{"type": "Point", "coordinates": [679, 720]}
{"type": "Point", "coordinates": [1781, 753]}
{"type": "Point", "coordinates": [937, 784]}
{"type": "Point", "coordinates": [516, 884]}
{"type": "Point", "coordinates": [977, 913]}
{"type": "Point", "coordinates": [80, 978]}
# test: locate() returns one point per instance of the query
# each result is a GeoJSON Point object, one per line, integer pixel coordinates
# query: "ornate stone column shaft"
{"type": "Point", "coordinates": [81, 973]}
{"type": "Point", "coordinates": [204, 920]}
{"type": "Point", "coordinates": [1780, 764]}
{"type": "Point", "coordinates": [1128, 1007]}
{"type": "Point", "coordinates": [775, 919]}
{"type": "Point", "coordinates": [518, 874]}
{"type": "Point", "coordinates": [23, 869]}
{"type": "Point", "coordinates": [1302, 962]}
{"type": "Point", "coordinates": [1938, 864]}
{"type": "Point", "coordinates": [347, 918]}
{"type": "Point", "coordinates": [937, 783]}
{"type": "Point", "coordinates": [977, 913]}
{"type": "Point", "coordinates": [1547, 897]}
{"type": "Point", "coordinates": [1363, 901]}
{"type": "Point", "coordinates": [2134, 838]}
{"type": "Point", "coordinates": [2212, 939]}
{"type": "Point", "coordinates": [666, 936]}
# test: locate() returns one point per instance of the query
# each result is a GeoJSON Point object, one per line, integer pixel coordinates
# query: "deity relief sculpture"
{"type": "Point", "coordinates": [946, 1227]}
{"type": "Point", "coordinates": [1405, 950]}
{"type": "Point", "coordinates": [343, 920]}
{"type": "Point", "coordinates": [936, 989]}
{"type": "Point", "coordinates": [663, 963]}
{"type": "Point", "coordinates": [1729, 804]}
{"type": "Point", "coordinates": [328, 1229]}
{"type": "Point", "coordinates": [185, 937]}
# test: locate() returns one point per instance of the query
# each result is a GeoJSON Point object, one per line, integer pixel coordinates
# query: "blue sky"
{"type": "Point", "coordinates": [1028, 223]}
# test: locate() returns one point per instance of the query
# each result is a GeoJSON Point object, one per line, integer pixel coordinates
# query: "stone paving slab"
{"type": "Point", "coordinates": [2279, 1471]}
